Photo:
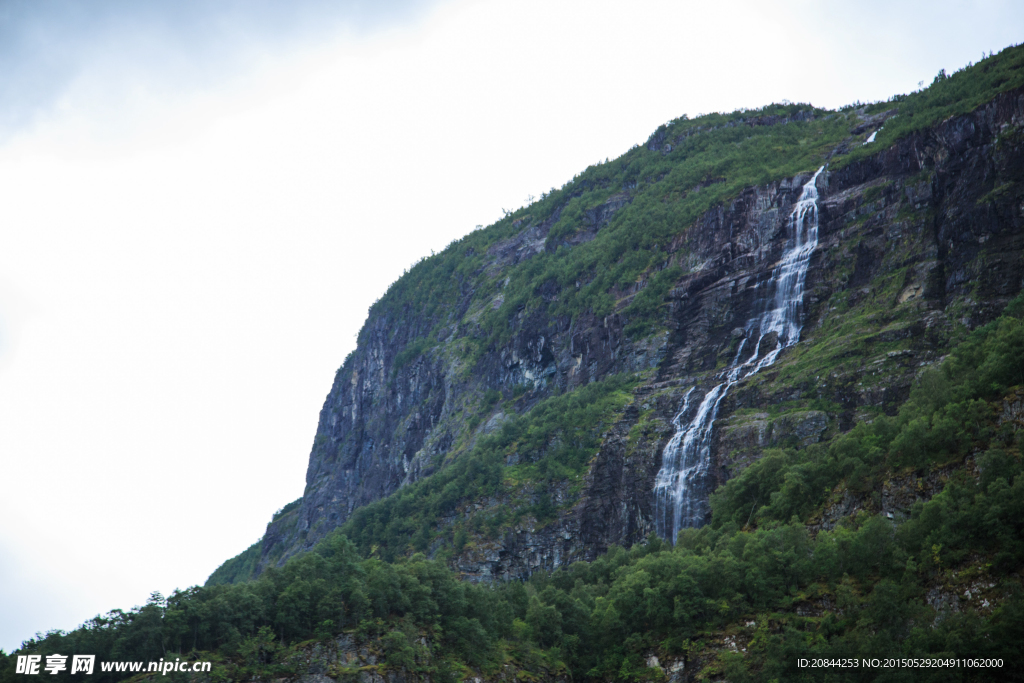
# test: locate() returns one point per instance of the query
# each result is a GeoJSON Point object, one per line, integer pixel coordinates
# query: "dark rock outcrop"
{"type": "Point", "coordinates": [917, 243]}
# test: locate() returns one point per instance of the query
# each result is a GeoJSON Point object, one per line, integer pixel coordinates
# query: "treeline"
{"type": "Point", "coordinates": [958, 93]}
{"type": "Point", "coordinates": [757, 570]}
{"type": "Point", "coordinates": [316, 595]}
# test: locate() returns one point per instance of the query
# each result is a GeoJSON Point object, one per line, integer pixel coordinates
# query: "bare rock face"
{"type": "Point", "coordinates": [912, 239]}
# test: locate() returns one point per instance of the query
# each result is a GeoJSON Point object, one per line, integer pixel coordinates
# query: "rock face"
{"type": "Point", "coordinates": [917, 244]}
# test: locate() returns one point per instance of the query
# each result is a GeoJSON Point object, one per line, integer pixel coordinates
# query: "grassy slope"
{"type": "Point", "coordinates": [713, 158]}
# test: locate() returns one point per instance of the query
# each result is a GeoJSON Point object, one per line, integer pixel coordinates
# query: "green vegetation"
{"type": "Point", "coordinates": [553, 442]}
{"type": "Point", "coordinates": [411, 352]}
{"type": "Point", "coordinates": [963, 91]}
{"type": "Point", "coordinates": [712, 159]}
{"type": "Point", "coordinates": [241, 567]}
{"type": "Point", "coordinates": [287, 508]}
{"type": "Point", "coordinates": [757, 572]}
{"type": "Point", "coordinates": [950, 413]}
{"type": "Point", "coordinates": [247, 627]}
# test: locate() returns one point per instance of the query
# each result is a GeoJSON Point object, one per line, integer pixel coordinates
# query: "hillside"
{"type": "Point", "coordinates": [748, 393]}
{"type": "Point", "coordinates": [631, 280]}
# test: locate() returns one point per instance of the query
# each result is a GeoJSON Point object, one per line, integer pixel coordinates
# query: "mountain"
{"type": "Point", "coordinates": [639, 280]}
{"type": "Point", "coordinates": [747, 396]}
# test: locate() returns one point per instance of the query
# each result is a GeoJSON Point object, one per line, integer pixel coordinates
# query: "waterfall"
{"type": "Point", "coordinates": [681, 487]}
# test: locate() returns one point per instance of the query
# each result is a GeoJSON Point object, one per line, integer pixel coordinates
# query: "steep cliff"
{"type": "Point", "coordinates": [645, 271]}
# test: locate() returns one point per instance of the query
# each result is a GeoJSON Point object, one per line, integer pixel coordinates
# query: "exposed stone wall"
{"type": "Point", "coordinates": [929, 207]}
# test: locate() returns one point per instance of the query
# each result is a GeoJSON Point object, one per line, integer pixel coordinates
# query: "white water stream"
{"type": "Point", "coordinates": [681, 487]}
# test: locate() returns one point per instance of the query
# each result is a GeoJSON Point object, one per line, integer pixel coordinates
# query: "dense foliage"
{"type": "Point", "coordinates": [861, 585]}
{"type": "Point", "coordinates": [241, 567]}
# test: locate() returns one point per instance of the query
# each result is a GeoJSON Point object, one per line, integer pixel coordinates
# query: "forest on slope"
{"type": "Point", "coordinates": [774, 576]}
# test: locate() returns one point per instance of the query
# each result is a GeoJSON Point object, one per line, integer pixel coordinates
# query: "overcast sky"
{"type": "Point", "coordinates": [200, 200]}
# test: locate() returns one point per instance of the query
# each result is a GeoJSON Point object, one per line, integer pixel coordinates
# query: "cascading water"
{"type": "Point", "coordinates": [680, 489]}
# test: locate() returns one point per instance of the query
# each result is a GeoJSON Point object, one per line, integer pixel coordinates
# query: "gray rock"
{"type": "Point", "coordinates": [913, 206]}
